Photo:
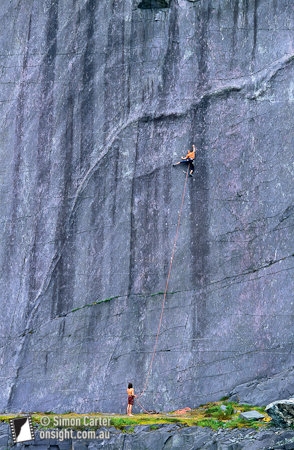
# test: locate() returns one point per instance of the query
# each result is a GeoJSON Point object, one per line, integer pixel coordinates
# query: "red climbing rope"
{"type": "Point", "coordinates": [166, 288]}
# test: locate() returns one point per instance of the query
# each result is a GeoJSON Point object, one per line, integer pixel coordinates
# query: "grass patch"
{"type": "Point", "coordinates": [238, 422]}
{"type": "Point", "coordinates": [154, 427]}
{"type": "Point", "coordinates": [211, 423]}
{"type": "Point", "coordinates": [218, 413]}
{"type": "Point", "coordinates": [122, 422]}
{"type": "Point", "coordinates": [230, 409]}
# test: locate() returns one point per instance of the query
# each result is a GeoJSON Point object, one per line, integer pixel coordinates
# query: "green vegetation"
{"type": "Point", "coordinates": [218, 413]}
{"type": "Point", "coordinates": [154, 427]}
{"type": "Point", "coordinates": [97, 302]}
{"type": "Point", "coordinates": [215, 415]}
{"type": "Point", "coordinates": [211, 423]}
{"type": "Point", "coordinates": [105, 300]}
{"type": "Point", "coordinates": [238, 422]}
{"type": "Point", "coordinates": [230, 409]}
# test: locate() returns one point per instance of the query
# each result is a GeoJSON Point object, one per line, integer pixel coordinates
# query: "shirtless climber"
{"type": "Point", "coordinates": [189, 158]}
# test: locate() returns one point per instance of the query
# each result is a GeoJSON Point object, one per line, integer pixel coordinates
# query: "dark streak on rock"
{"type": "Point", "coordinates": [87, 96]}
{"type": "Point", "coordinates": [255, 28]}
{"type": "Point", "coordinates": [63, 276]}
{"type": "Point", "coordinates": [289, 212]}
{"type": "Point", "coordinates": [133, 231]}
{"type": "Point", "coordinates": [246, 9]}
{"type": "Point", "coordinates": [42, 161]}
{"type": "Point", "coordinates": [18, 150]}
{"type": "Point", "coordinates": [145, 216]}
{"type": "Point", "coordinates": [202, 44]}
{"type": "Point", "coordinates": [114, 175]}
{"type": "Point", "coordinates": [235, 27]}
{"type": "Point", "coordinates": [170, 66]}
{"type": "Point", "coordinates": [117, 69]}
{"type": "Point", "coordinates": [45, 133]}
{"type": "Point", "coordinates": [154, 4]}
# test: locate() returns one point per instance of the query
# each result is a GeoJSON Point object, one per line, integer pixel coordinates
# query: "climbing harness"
{"type": "Point", "coordinates": [165, 291]}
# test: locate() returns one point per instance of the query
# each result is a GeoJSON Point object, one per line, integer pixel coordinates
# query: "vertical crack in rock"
{"type": "Point", "coordinates": [199, 225]}
{"type": "Point", "coordinates": [199, 189]}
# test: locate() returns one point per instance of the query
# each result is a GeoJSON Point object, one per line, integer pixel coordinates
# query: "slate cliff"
{"type": "Point", "coordinates": [98, 99]}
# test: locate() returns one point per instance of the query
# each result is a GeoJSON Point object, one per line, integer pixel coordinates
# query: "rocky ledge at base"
{"type": "Point", "coordinates": [165, 437]}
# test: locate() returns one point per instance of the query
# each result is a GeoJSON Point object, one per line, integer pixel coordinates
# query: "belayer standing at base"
{"type": "Point", "coordinates": [188, 159]}
{"type": "Point", "coordinates": [131, 397]}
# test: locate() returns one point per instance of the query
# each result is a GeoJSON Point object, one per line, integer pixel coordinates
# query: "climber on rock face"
{"type": "Point", "coordinates": [188, 159]}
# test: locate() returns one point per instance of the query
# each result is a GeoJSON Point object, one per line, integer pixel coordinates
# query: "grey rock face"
{"type": "Point", "coordinates": [98, 99]}
{"type": "Point", "coordinates": [265, 390]}
{"type": "Point", "coordinates": [282, 412]}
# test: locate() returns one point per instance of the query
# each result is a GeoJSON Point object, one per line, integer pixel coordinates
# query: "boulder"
{"type": "Point", "coordinates": [251, 415]}
{"type": "Point", "coordinates": [282, 412]}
